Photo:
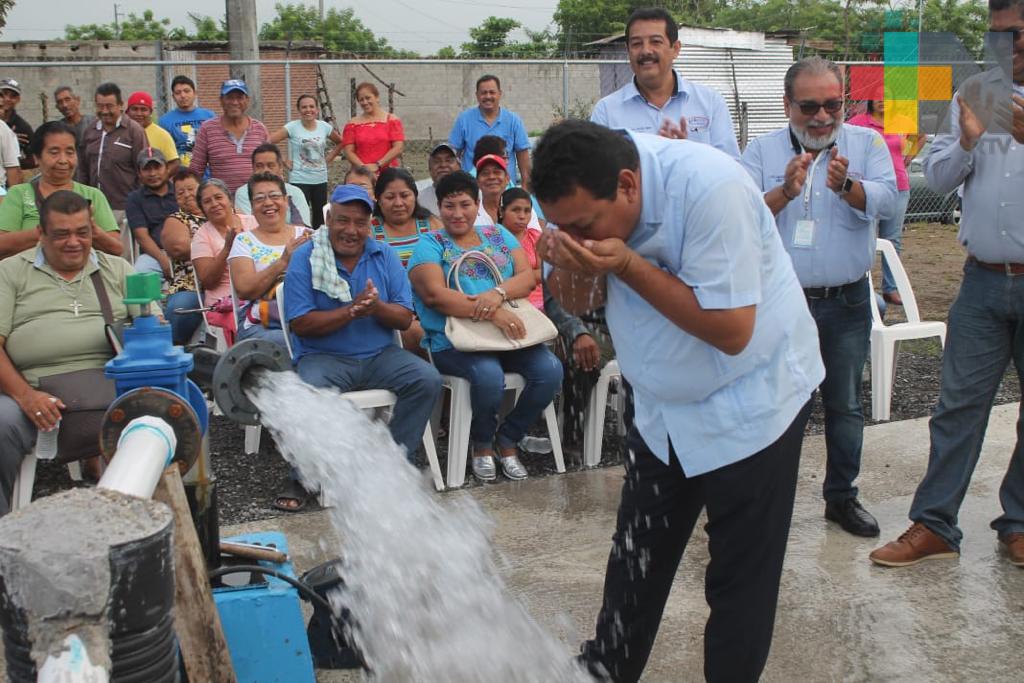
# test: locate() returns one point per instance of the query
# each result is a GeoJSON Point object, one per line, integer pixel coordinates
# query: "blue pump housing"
{"type": "Point", "coordinates": [150, 359]}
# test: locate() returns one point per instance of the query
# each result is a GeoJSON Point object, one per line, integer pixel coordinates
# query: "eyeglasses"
{"type": "Point", "coordinates": [270, 196]}
{"type": "Point", "coordinates": [810, 108]}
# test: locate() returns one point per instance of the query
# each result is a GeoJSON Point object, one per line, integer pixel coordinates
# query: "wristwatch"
{"type": "Point", "coordinates": [847, 185]}
{"type": "Point", "coordinates": [501, 290]}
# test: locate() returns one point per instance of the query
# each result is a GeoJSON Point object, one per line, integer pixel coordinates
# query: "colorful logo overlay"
{"type": "Point", "coordinates": [903, 82]}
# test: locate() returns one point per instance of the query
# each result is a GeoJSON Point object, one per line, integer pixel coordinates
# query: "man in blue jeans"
{"type": "Point", "coordinates": [985, 152]}
{"type": "Point", "coordinates": [345, 297]}
{"type": "Point", "coordinates": [827, 184]}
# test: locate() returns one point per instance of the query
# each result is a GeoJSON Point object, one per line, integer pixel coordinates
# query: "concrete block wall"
{"type": "Point", "coordinates": [434, 94]}
{"type": "Point", "coordinates": [38, 81]}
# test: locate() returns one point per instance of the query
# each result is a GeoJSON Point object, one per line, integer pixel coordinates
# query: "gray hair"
{"type": "Point", "coordinates": [63, 88]}
{"type": "Point", "coordinates": [211, 182]}
{"type": "Point", "coordinates": [813, 66]}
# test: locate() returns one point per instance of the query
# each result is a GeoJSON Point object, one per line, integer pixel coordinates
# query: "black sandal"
{"type": "Point", "coordinates": [292, 491]}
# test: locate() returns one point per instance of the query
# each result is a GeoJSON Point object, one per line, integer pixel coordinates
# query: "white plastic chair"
{"type": "Point", "coordinates": [885, 339]}
{"type": "Point", "coordinates": [593, 423]}
{"type": "Point", "coordinates": [22, 493]}
{"type": "Point", "coordinates": [372, 400]}
{"type": "Point", "coordinates": [252, 432]}
{"type": "Point", "coordinates": [461, 415]}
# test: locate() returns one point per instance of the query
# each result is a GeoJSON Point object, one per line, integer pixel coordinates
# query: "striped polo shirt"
{"type": "Point", "coordinates": [229, 158]}
{"type": "Point", "coordinates": [403, 245]}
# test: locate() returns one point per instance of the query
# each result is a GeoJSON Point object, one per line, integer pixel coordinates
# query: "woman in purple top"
{"type": "Point", "coordinates": [891, 228]}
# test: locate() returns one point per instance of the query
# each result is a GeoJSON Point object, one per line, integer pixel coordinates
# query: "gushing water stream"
{"type": "Point", "coordinates": [420, 579]}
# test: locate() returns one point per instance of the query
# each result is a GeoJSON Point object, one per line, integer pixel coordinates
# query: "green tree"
{"type": "Point", "coordinates": [583, 21]}
{"type": "Point", "coordinates": [447, 52]}
{"type": "Point", "coordinates": [968, 21]}
{"type": "Point", "coordinates": [134, 27]}
{"type": "Point", "coordinates": [491, 39]}
{"type": "Point", "coordinates": [340, 30]}
{"type": "Point", "coordinates": [5, 8]}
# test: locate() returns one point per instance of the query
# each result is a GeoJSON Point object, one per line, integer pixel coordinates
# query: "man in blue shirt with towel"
{"type": "Point", "coordinates": [345, 296]}
{"type": "Point", "coordinates": [713, 335]}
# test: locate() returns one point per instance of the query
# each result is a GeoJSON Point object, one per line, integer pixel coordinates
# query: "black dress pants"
{"type": "Point", "coordinates": [749, 505]}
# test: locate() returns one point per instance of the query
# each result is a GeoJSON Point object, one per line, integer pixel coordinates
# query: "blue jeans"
{"type": "Point", "coordinates": [270, 334]}
{"type": "Point", "coordinates": [986, 330]}
{"type": "Point", "coordinates": [414, 381]}
{"type": "Point", "coordinates": [486, 374]}
{"type": "Point", "coordinates": [844, 332]}
{"type": "Point", "coordinates": [892, 229]}
{"type": "Point", "coordinates": [183, 325]}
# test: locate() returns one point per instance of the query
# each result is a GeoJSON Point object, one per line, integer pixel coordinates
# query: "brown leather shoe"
{"type": "Point", "coordinates": [1013, 544]}
{"type": "Point", "coordinates": [916, 544]}
{"type": "Point", "coordinates": [893, 298]}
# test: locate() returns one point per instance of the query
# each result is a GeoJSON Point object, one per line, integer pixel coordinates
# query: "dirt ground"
{"type": "Point", "coordinates": [934, 262]}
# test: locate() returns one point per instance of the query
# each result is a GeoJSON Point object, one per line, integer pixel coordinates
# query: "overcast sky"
{"type": "Point", "coordinates": [421, 25]}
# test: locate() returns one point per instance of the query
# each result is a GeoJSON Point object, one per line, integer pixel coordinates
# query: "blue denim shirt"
{"type": "Point", "coordinates": [992, 226]}
{"type": "Point", "coordinates": [843, 247]}
{"type": "Point", "coordinates": [705, 222]}
{"type": "Point", "coordinates": [707, 117]}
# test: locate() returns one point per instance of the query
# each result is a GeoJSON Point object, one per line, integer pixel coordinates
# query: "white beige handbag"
{"type": "Point", "coordinates": [466, 334]}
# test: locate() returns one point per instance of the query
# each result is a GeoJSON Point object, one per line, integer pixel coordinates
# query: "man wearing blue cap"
{"type": "Point", "coordinates": [345, 295]}
{"type": "Point", "coordinates": [225, 144]}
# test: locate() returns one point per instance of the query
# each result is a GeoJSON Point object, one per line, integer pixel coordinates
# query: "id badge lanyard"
{"type": "Point", "coordinates": [803, 236]}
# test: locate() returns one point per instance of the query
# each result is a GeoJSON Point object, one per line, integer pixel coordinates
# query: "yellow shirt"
{"type": "Point", "coordinates": [160, 139]}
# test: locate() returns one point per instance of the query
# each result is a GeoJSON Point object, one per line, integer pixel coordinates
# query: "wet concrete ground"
{"type": "Point", "coordinates": [840, 618]}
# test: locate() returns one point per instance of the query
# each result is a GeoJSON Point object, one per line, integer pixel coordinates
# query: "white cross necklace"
{"type": "Point", "coordinates": [75, 304]}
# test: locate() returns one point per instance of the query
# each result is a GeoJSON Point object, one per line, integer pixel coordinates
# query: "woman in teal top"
{"type": "Point", "coordinates": [54, 148]}
{"type": "Point", "coordinates": [457, 196]}
{"type": "Point", "coordinates": [308, 159]}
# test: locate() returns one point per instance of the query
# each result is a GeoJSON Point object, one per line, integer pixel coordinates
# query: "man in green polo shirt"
{"type": "Point", "coordinates": [54, 148]}
{"type": "Point", "coordinates": [50, 323]}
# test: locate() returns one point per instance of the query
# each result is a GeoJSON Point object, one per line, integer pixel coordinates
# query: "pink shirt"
{"type": "Point", "coordinates": [209, 242]}
{"type": "Point", "coordinates": [895, 143]}
{"type": "Point", "coordinates": [528, 241]}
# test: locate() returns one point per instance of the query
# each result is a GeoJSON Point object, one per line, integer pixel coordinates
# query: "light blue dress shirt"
{"type": "Point", "coordinates": [843, 246]}
{"type": "Point", "coordinates": [703, 220]}
{"type": "Point", "coordinates": [707, 116]}
{"type": "Point", "coordinates": [992, 225]}
{"type": "Point", "coordinates": [471, 125]}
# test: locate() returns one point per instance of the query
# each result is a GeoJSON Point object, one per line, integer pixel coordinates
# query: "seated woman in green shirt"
{"type": "Point", "coordinates": [55, 150]}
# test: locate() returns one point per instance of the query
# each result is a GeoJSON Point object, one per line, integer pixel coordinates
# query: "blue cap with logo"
{"type": "Point", "coordinates": [343, 194]}
{"type": "Point", "coordinates": [234, 84]}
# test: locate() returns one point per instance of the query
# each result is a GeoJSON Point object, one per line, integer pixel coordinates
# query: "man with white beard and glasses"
{"type": "Point", "coordinates": [827, 184]}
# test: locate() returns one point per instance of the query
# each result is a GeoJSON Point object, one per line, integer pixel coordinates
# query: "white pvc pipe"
{"type": "Point", "coordinates": [144, 451]}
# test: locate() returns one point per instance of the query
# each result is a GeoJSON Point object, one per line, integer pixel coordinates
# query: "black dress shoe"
{"type": "Point", "coordinates": [852, 516]}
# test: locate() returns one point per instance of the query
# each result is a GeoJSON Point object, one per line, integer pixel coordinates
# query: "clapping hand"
{"type": "Point", "coordinates": [366, 301]}
{"type": "Point", "coordinates": [838, 167]}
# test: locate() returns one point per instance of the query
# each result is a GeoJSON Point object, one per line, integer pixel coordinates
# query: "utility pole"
{"type": "Point", "coordinates": [243, 44]}
{"type": "Point", "coordinates": [321, 11]}
{"type": "Point", "coordinates": [117, 23]}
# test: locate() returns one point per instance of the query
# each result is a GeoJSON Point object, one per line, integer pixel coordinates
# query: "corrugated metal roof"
{"type": "Point", "coordinates": [758, 80]}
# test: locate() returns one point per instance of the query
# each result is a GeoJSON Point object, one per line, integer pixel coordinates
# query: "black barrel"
{"type": "Point", "coordinates": [143, 647]}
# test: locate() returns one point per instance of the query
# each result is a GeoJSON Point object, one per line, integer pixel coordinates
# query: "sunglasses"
{"type": "Point", "coordinates": [809, 108]}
